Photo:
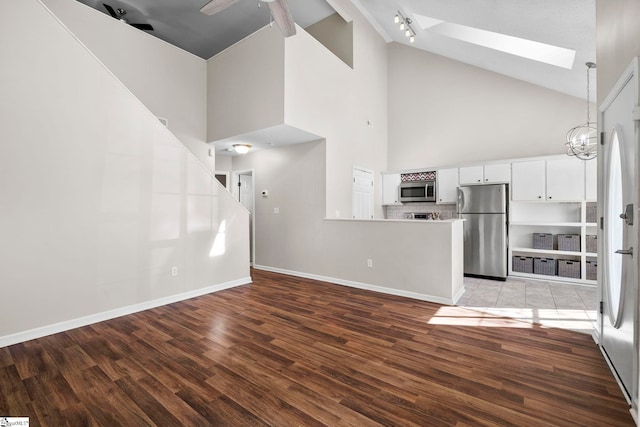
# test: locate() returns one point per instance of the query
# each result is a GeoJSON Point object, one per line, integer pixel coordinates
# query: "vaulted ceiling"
{"type": "Point", "coordinates": [451, 28]}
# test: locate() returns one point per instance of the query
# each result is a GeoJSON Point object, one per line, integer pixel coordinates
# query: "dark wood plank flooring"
{"type": "Point", "coordinates": [286, 351]}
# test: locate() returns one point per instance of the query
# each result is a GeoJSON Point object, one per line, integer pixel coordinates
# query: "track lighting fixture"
{"type": "Point", "coordinates": [405, 25]}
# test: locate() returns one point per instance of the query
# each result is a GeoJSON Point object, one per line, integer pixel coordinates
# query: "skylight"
{"type": "Point", "coordinates": [541, 52]}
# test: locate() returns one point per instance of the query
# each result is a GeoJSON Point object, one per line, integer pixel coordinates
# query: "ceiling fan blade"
{"type": "Point", "coordinates": [110, 10]}
{"type": "Point", "coordinates": [282, 15]}
{"type": "Point", "coordinates": [145, 27]}
{"type": "Point", "coordinates": [215, 6]}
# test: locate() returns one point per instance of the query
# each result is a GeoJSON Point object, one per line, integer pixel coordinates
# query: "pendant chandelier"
{"type": "Point", "coordinates": [582, 140]}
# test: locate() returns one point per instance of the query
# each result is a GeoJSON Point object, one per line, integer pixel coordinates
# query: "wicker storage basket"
{"type": "Point", "coordinates": [592, 213]}
{"type": "Point", "coordinates": [568, 268]}
{"type": "Point", "coordinates": [592, 270]}
{"type": "Point", "coordinates": [592, 243]}
{"type": "Point", "coordinates": [569, 242]}
{"type": "Point", "coordinates": [545, 266]}
{"type": "Point", "coordinates": [523, 264]}
{"type": "Point", "coordinates": [542, 241]}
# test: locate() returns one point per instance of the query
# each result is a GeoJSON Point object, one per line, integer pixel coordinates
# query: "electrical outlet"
{"type": "Point", "coordinates": [174, 271]}
{"type": "Point", "coordinates": [369, 263]}
{"type": "Point", "coordinates": [276, 210]}
{"type": "Point", "coordinates": [337, 214]}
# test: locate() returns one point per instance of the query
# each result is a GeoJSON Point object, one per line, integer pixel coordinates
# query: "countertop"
{"type": "Point", "coordinates": [448, 221]}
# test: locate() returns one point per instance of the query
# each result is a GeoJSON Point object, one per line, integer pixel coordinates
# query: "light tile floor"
{"type": "Point", "coordinates": [552, 304]}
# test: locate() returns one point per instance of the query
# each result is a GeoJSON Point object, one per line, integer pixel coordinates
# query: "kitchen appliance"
{"type": "Point", "coordinates": [484, 209]}
{"type": "Point", "coordinates": [417, 191]}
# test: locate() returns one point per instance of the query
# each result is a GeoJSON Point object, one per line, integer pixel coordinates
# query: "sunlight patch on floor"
{"type": "Point", "coordinates": [580, 320]}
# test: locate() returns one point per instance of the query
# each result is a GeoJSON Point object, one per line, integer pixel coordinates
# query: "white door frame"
{"type": "Point", "coordinates": [235, 175]}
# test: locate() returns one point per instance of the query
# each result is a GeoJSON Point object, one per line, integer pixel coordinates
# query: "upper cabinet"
{"type": "Point", "coordinates": [550, 178]}
{"type": "Point", "coordinates": [471, 175]}
{"type": "Point", "coordinates": [559, 180]}
{"type": "Point", "coordinates": [390, 184]}
{"type": "Point", "coordinates": [447, 185]}
{"type": "Point", "coordinates": [487, 174]}
{"type": "Point", "coordinates": [565, 179]}
{"type": "Point", "coordinates": [497, 173]}
{"type": "Point", "coordinates": [528, 180]}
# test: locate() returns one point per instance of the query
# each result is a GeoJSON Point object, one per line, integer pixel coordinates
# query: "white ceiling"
{"type": "Point", "coordinates": [564, 23]}
{"type": "Point", "coordinates": [275, 136]}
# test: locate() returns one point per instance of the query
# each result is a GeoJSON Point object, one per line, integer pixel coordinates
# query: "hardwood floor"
{"type": "Point", "coordinates": [287, 351]}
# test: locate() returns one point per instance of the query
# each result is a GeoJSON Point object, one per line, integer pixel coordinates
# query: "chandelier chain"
{"type": "Point", "coordinates": [588, 96]}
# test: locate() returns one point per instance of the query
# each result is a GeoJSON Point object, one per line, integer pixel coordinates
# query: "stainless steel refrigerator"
{"type": "Point", "coordinates": [484, 209]}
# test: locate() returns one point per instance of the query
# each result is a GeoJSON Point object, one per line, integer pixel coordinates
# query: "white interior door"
{"type": "Point", "coordinates": [362, 193]}
{"type": "Point", "coordinates": [243, 191]}
{"type": "Point", "coordinates": [619, 234]}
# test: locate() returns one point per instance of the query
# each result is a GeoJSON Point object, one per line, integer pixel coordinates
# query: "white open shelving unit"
{"type": "Point", "coordinates": [528, 217]}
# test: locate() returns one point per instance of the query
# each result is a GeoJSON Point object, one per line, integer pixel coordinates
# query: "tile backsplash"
{"type": "Point", "coordinates": [418, 176]}
{"type": "Point", "coordinates": [401, 211]}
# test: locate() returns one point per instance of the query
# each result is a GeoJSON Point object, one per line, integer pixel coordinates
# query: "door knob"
{"type": "Point", "coordinates": [625, 251]}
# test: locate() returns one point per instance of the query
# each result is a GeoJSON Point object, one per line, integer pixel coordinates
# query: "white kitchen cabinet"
{"type": "Point", "coordinates": [591, 180]}
{"type": "Point", "coordinates": [486, 174]}
{"type": "Point", "coordinates": [390, 184]}
{"type": "Point", "coordinates": [497, 173]}
{"type": "Point", "coordinates": [528, 180]}
{"type": "Point", "coordinates": [565, 179]}
{"type": "Point", "coordinates": [471, 175]}
{"type": "Point", "coordinates": [447, 186]}
{"type": "Point", "coordinates": [561, 180]}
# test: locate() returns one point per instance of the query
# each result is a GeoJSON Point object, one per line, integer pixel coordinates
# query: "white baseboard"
{"type": "Point", "coordinates": [458, 295]}
{"type": "Point", "coordinates": [111, 314]}
{"type": "Point", "coordinates": [366, 286]}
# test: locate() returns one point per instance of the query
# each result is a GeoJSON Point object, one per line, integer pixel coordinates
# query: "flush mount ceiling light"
{"type": "Point", "coordinates": [242, 148]}
{"type": "Point", "coordinates": [404, 24]}
{"type": "Point", "coordinates": [582, 140]}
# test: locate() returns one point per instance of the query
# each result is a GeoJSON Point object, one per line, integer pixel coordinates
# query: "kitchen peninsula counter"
{"type": "Point", "coordinates": [420, 259]}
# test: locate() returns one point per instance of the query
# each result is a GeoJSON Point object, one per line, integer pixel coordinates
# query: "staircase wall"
{"type": "Point", "coordinates": [169, 81]}
{"type": "Point", "coordinates": [99, 200]}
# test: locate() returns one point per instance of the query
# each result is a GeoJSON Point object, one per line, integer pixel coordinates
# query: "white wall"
{"type": "Point", "coordinates": [295, 179]}
{"type": "Point", "coordinates": [617, 40]}
{"type": "Point", "coordinates": [224, 163]}
{"type": "Point", "coordinates": [421, 259]}
{"type": "Point", "coordinates": [443, 112]}
{"type": "Point", "coordinates": [336, 35]}
{"type": "Point", "coordinates": [246, 86]}
{"type": "Point", "coordinates": [326, 97]}
{"type": "Point", "coordinates": [267, 80]}
{"type": "Point", "coordinates": [99, 199]}
{"type": "Point", "coordinates": [169, 81]}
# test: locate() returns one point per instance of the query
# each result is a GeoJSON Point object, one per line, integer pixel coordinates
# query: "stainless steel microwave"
{"type": "Point", "coordinates": [417, 191]}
